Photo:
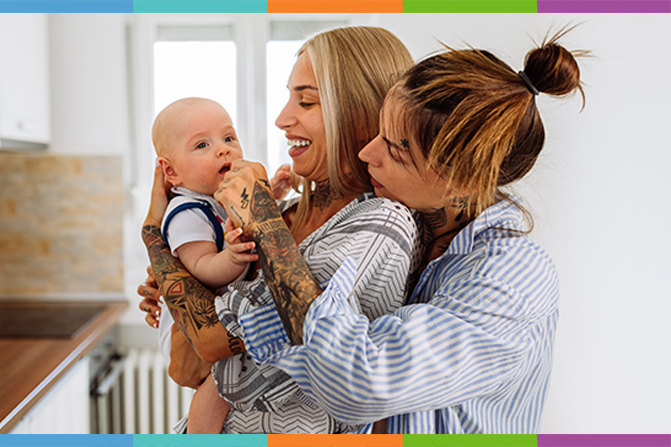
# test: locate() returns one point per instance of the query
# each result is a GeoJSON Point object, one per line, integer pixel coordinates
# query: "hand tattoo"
{"type": "Point", "coordinates": [244, 202]}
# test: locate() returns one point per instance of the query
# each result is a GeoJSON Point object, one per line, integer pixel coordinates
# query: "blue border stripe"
{"type": "Point", "coordinates": [66, 440]}
{"type": "Point", "coordinates": [64, 6]}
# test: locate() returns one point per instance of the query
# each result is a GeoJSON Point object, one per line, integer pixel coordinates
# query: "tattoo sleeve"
{"type": "Point", "coordinates": [291, 284]}
{"type": "Point", "coordinates": [190, 303]}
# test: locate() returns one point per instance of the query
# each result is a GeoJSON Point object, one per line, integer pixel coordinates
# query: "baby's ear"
{"type": "Point", "coordinates": [168, 171]}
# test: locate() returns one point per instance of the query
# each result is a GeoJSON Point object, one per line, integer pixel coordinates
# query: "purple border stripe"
{"type": "Point", "coordinates": [599, 6]}
{"type": "Point", "coordinates": [604, 440]}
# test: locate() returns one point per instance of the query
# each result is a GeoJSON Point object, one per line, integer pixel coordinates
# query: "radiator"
{"type": "Point", "coordinates": [135, 395]}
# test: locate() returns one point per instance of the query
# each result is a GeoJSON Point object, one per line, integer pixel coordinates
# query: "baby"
{"type": "Point", "coordinates": [195, 143]}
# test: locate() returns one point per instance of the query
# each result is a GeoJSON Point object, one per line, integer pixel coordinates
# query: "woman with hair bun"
{"type": "Point", "coordinates": [472, 351]}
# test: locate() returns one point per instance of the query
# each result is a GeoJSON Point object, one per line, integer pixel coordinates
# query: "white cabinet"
{"type": "Point", "coordinates": [64, 409]}
{"type": "Point", "coordinates": [24, 81]}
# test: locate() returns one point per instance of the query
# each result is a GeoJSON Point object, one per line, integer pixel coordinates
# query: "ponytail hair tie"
{"type": "Point", "coordinates": [530, 85]}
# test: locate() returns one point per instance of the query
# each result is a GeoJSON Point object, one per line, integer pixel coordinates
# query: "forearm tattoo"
{"type": "Point", "coordinates": [289, 280]}
{"type": "Point", "coordinates": [191, 304]}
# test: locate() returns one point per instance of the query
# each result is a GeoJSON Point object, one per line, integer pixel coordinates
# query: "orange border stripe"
{"type": "Point", "coordinates": [335, 6]}
{"type": "Point", "coordinates": [335, 440]}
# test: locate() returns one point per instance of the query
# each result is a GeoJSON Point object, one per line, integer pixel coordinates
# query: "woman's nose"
{"type": "Point", "coordinates": [370, 153]}
{"type": "Point", "coordinates": [285, 119]}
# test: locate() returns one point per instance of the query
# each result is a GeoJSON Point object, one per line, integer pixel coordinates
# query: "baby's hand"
{"type": "Point", "coordinates": [280, 184]}
{"type": "Point", "coordinates": [240, 251]}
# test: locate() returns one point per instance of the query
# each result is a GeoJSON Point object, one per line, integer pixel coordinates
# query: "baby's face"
{"type": "Point", "coordinates": [204, 146]}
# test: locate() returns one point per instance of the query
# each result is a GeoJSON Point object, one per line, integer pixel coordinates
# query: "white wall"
{"type": "Point", "coordinates": [598, 191]}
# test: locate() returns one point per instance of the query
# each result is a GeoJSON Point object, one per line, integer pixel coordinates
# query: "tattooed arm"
{"type": "Point", "coordinates": [191, 304]}
{"type": "Point", "coordinates": [291, 284]}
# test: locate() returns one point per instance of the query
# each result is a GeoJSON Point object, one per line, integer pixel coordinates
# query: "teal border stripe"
{"type": "Point", "coordinates": [200, 440]}
{"type": "Point", "coordinates": [191, 6]}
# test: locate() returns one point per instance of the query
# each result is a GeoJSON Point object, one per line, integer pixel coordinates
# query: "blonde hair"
{"type": "Point", "coordinates": [354, 68]}
{"type": "Point", "coordinates": [475, 119]}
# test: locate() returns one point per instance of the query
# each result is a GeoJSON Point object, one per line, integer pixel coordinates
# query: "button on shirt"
{"type": "Point", "coordinates": [470, 353]}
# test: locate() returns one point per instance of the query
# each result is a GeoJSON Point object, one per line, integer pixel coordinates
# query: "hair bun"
{"type": "Point", "coordinates": [553, 69]}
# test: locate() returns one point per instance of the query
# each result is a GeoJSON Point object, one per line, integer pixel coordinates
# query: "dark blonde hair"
{"type": "Point", "coordinates": [475, 119]}
{"type": "Point", "coordinates": [354, 67]}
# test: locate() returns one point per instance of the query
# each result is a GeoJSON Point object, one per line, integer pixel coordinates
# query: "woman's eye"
{"type": "Point", "coordinates": [394, 153]}
{"type": "Point", "coordinates": [305, 104]}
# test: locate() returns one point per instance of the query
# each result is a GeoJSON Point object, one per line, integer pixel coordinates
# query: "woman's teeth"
{"type": "Point", "coordinates": [294, 143]}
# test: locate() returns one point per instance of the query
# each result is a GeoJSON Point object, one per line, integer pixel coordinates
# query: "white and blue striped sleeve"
{"type": "Point", "coordinates": [423, 357]}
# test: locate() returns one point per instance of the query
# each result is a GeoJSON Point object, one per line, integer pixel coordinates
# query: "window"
{"type": "Point", "coordinates": [195, 61]}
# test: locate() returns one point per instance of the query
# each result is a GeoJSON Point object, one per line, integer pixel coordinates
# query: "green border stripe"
{"type": "Point", "coordinates": [200, 6]}
{"type": "Point", "coordinates": [200, 440]}
{"type": "Point", "coordinates": [469, 441]}
{"type": "Point", "coordinates": [472, 6]}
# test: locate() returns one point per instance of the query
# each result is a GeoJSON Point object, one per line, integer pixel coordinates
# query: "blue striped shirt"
{"type": "Point", "coordinates": [470, 353]}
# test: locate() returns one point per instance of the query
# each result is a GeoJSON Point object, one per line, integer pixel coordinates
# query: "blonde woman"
{"type": "Point", "coordinates": [337, 88]}
{"type": "Point", "coordinates": [472, 352]}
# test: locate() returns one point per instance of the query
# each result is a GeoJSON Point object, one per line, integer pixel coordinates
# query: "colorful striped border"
{"type": "Point", "coordinates": [335, 440]}
{"type": "Point", "coordinates": [338, 6]}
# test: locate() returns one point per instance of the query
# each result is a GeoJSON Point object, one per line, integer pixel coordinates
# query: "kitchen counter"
{"type": "Point", "coordinates": [30, 366]}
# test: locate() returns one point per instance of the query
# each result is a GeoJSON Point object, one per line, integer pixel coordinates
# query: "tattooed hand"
{"type": "Point", "coordinates": [235, 191]}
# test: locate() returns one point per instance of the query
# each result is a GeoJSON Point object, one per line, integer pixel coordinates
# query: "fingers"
{"type": "Point", "coordinates": [152, 310]}
{"type": "Point", "coordinates": [149, 292]}
{"type": "Point", "coordinates": [228, 226]}
{"type": "Point", "coordinates": [159, 198]}
{"type": "Point", "coordinates": [151, 321]}
{"type": "Point", "coordinates": [244, 258]}
{"type": "Point", "coordinates": [232, 236]}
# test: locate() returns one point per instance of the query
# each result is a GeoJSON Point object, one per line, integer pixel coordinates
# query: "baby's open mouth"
{"type": "Point", "coordinates": [225, 168]}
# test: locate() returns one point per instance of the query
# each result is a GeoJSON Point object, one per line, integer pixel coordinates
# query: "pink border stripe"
{"type": "Point", "coordinates": [604, 441]}
{"type": "Point", "coordinates": [600, 6]}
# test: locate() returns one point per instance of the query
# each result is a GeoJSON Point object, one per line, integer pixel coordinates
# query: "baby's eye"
{"type": "Point", "coordinates": [202, 145]}
{"type": "Point", "coordinates": [228, 139]}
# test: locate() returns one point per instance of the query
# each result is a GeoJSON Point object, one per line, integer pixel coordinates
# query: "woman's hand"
{"type": "Point", "coordinates": [160, 196]}
{"type": "Point", "coordinates": [239, 190]}
{"type": "Point", "coordinates": [151, 299]}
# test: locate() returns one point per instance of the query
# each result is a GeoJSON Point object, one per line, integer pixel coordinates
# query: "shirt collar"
{"type": "Point", "coordinates": [505, 215]}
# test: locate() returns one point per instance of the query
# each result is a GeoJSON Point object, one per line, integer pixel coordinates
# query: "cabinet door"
{"type": "Point", "coordinates": [24, 78]}
{"type": "Point", "coordinates": [64, 409]}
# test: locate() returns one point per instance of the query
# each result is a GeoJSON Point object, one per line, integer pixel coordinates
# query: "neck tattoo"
{"type": "Point", "coordinates": [323, 195]}
{"type": "Point", "coordinates": [459, 203]}
{"type": "Point", "coordinates": [436, 219]}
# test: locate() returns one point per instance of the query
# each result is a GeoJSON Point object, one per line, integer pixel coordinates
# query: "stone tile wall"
{"type": "Point", "coordinates": [60, 224]}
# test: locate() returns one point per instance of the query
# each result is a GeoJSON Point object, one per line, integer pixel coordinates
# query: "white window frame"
{"type": "Point", "coordinates": [251, 32]}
